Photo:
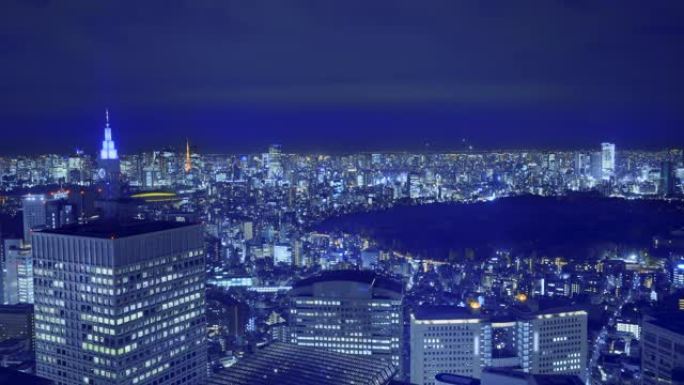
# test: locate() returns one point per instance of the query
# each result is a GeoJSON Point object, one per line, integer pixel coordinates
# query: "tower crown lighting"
{"type": "Point", "coordinates": [108, 150]}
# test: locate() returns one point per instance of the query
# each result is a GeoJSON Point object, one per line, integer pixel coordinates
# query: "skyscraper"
{"type": "Point", "coordinates": [273, 163]}
{"type": "Point", "coordinates": [108, 150]}
{"type": "Point", "coordinates": [353, 312]}
{"type": "Point", "coordinates": [39, 211]}
{"type": "Point", "coordinates": [18, 272]}
{"type": "Point", "coordinates": [607, 160]}
{"type": "Point", "coordinates": [34, 214]}
{"type": "Point", "coordinates": [120, 304]}
{"type": "Point", "coordinates": [667, 180]}
{"type": "Point", "coordinates": [109, 168]}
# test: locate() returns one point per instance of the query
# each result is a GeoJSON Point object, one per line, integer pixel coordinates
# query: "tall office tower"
{"type": "Point", "coordinates": [120, 304]}
{"type": "Point", "coordinates": [552, 341]}
{"type": "Point", "coordinates": [34, 214]}
{"type": "Point", "coordinates": [39, 212]}
{"type": "Point", "coordinates": [667, 180]}
{"type": "Point", "coordinates": [445, 339]}
{"type": "Point", "coordinates": [607, 160]}
{"type": "Point", "coordinates": [18, 272]}
{"type": "Point", "coordinates": [76, 168]}
{"type": "Point", "coordinates": [453, 340]}
{"type": "Point", "coordinates": [273, 163]}
{"type": "Point", "coordinates": [353, 312]}
{"type": "Point", "coordinates": [662, 341]}
{"type": "Point", "coordinates": [60, 212]}
{"type": "Point", "coordinates": [582, 163]}
{"type": "Point", "coordinates": [109, 172]}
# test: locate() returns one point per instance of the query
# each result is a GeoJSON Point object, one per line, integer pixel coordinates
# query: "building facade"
{"type": "Point", "coordinates": [352, 312]}
{"type": "Point", "coordinates": [607, 160]}
{"type": "Point", "coordinates": [553, 341]}
{"type": "Point", "coordinates": [462, 342]}
{"type": "Point", "coordinates": [18, 272]}
{"type": "Point", "coordinates": [445, 340]}
{"type": "Point", "coordinates": [662, 349]}
{"type": "Point", "coordinates": [120, 304]}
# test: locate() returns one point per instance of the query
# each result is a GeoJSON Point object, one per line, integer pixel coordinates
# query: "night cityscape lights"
{"type": "Point", "coordinates": [341, 193]}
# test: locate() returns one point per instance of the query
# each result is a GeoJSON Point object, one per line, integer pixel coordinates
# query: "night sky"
{"type": "Point", "coordinates": [337, 76]}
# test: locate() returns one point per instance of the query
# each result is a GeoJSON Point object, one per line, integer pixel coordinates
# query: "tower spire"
{"type": "Point", "coordinates": [108, 150]}
{"type": "Point", "coordinates": [188, 160]}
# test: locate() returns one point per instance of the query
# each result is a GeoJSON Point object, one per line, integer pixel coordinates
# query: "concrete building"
{"type": "Point", "coordinates": [445, 339]}
{"type": "Point", "coordinates": [346, 311]}
{"type": "Point", "coordinates": [33, 214]}
{"type": "Point", "coordinates": [552, 341]}
{"type": "Point", "coordinates": [17, 272]}
{"type": "Point", "coordinates": [462, 342]}
{"type": "Point", "coordinates": [120, 304]}
{"type": "Point", "coordinates": [607, 160]}
{"type": "Point", "coordinates": [662, 349]}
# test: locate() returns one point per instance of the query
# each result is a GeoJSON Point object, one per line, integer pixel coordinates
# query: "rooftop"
{"type": "Point", "coordinates": [361, 276]}
{"type": "Point", "coordinates": [454, 379]}
{"type": "Point", "coordinates": [286, 364]}
{"type": "Point", "coordinates": [538, 379]}
{"type": "Point", "coordinates": [671, 320]}
{"type": "Point", "coordinates": [443, 313]}
{"type": "Point", "coordinates": [115, 229]}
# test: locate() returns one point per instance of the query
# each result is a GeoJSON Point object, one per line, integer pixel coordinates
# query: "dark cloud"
{"type": "Point", "coordinates": [237, 72]}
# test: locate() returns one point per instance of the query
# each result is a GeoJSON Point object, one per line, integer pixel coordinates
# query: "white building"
{"type": "Point", "coordinates": [282, 254]}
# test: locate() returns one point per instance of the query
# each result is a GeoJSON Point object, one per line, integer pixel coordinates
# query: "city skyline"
{"type": "Point", "coordinates": [464, 146]}
{"type": "Point", "coordinates": [352, 193]}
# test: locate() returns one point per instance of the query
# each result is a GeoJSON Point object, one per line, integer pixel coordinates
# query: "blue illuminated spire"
{"type": "Point", "coordinates": [108, 150]}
